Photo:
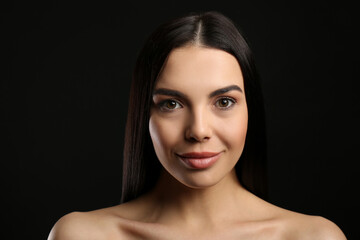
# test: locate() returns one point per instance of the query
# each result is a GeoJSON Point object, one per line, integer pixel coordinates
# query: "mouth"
{"type": "Point", "coordinates": [199, 160]}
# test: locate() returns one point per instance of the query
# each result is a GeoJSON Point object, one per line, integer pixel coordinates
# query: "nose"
{"type": "Point", "coordinates": [198, 129]}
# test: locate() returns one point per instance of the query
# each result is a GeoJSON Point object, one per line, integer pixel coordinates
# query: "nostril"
{"type": "Point", "coordinates": [194, 138]}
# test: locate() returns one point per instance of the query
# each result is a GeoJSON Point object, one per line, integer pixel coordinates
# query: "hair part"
{"type": "Point", "coordinates": [197, 39]}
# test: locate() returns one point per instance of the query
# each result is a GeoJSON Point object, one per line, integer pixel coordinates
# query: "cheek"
{"type": "Point", "coordinates": [234, 132]}
{"type": "Point", "coordinates": [164, 134]}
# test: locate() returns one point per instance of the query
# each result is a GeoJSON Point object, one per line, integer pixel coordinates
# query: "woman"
{"type": "Point", "coordinates": [194, 155]}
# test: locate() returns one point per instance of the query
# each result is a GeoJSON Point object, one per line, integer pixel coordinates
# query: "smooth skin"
{"type": "Point", "coordinates": [199, 106]}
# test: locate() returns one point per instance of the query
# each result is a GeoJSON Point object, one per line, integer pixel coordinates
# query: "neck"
{"type": "Point", "coordinates": [196, 206]}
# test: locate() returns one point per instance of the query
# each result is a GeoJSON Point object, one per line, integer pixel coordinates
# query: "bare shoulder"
{"type": "Point", "coordinates": [301, 226]}
{"type": "Point", "coordinates": [322, 228]}
{"type": "Point", "coordinates": [84, 225]}
{"type": "Point", "coordinates": [75, 225]}
{"type": "Point", "coordinates": [286, 224]}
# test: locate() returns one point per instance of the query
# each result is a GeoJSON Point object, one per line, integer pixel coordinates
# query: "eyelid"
{"type": "Point", "coordinates": [233, 100]}
{"type": "Point", "coordinates": [163, 102]}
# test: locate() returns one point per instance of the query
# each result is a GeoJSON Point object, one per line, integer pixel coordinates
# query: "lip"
{"type": "Point", "coordinates": [199, 160]}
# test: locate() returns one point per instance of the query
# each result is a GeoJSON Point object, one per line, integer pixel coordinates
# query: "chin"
{"type": "Point", "coordinates": [199, 180]}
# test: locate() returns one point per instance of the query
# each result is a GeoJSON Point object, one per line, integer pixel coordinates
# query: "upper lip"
{"type": "Point", "coordinates": [198, 154]}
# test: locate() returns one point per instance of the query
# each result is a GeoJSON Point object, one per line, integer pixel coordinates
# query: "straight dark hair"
{"type": "Point", "coordinates": [141, 168]}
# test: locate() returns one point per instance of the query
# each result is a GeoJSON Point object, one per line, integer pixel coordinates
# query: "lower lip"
{"type": "Point", "coordinates": [200, 163]}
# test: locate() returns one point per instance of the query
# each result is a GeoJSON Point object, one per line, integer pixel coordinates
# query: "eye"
{"type": "Point", "coordinates": [169, 105]}
{"type": "Point", "coordinates": [224, 103]}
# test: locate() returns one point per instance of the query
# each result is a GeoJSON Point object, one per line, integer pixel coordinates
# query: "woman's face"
{"type": "Point", "coordinates": [198, 120]}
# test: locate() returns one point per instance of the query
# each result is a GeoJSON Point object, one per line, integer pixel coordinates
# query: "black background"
{"type": "Point", "coordinates": [64, 96]}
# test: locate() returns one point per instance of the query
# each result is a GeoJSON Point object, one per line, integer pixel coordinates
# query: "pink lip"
{"type": "Point", "coordinates": [199, 160]}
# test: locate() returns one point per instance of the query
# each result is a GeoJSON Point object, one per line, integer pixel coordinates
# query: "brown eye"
{"type": "Point", "coordinates": [225, 103]}
{"type": "Point", "coordinates": [169, 105]}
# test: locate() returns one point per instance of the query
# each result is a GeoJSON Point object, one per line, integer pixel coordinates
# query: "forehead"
{"type": "Point", "coordinates": [194, 66]}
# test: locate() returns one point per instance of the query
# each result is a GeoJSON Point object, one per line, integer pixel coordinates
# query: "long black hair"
{"type": "Point", "coordinates": [141, 168]}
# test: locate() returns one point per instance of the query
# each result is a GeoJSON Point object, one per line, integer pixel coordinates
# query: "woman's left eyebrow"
{"type": "Point", "coordinates": [225, 90]}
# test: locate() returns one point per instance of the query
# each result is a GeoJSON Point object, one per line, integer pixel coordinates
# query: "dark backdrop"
{"type": "Point", "coordinates": [64, 96]}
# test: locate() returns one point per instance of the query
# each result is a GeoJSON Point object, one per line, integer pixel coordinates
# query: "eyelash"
{"type": "Point", "coordinates": [231, 100]}
{"type": "Point", "coordinates": [162, 104]}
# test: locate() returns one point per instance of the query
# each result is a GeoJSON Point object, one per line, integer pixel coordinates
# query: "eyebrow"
{"type": "Point", "coordinates": [225, 90]}
{"type": "Point", "coordinates": [174, 93]}
{"type": "Point", "coordinates": [168, 92]}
